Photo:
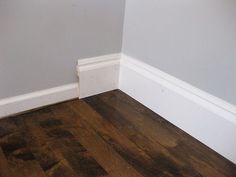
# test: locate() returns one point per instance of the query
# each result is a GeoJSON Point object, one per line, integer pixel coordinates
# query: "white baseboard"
{"type": "Point", "coordinates": [98, 74]}
{"type": "Point", "coordinates": [205, 117]}
{"type": "Point", "coordinates": [17, 104]}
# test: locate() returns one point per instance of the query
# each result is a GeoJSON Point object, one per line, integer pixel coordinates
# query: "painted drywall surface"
{"type": "Point", "coordinates": [193, 40]}
{"type": "Point", "coordinates": [41, 40]}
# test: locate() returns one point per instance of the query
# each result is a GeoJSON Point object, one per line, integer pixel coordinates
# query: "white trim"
{"type": "Point", "coordinates": [205, 117]}
{"type": "Point", "coordinates": [99, 59]}
{"type": "Point", "coordinates": [98, 74]}
{"type": "Point", "coordinates": [210, 102]}
{"type": "Point", "coordinates": [17, 104]}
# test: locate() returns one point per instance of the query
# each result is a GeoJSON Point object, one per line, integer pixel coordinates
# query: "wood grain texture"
{"type": "Point", "coordinates": [108, 135]}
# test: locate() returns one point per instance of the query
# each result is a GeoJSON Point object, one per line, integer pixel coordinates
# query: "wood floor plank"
{"type": "Point", "coordinates": [29, 169]}
{"type": "Point", "coordinates": [73, 159]}
{"type": "Point", "coordinates": [163, 159]}
{"type": "Point", "coordinates": [4, 167]}
{"type": "Point", "coordinates": [111, 161]}
{"type": "Point", "coordinates": [186, 146]}
{"type": "Point", "coordinates": [20, 159]}
{"type": "Point", "coordinates": [122, 115]}
{"type": "Point", "coordinates": [120, 143]}
{"type": "Point", "coordinates": [50, 160]}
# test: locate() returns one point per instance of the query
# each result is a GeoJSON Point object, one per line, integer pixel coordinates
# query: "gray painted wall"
{"type": "Point", "coordinates": [41, 40]}
{"type": "Point", "coordinates": [194, 40]}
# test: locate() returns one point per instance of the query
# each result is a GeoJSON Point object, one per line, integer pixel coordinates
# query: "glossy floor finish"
{"type": "Point", "coordinates": [106, 135]}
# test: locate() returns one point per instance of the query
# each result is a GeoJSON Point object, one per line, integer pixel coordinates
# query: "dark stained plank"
{"type": "Point", "coordinates": [26, 168]}
{"type": "Point", "coordinates": [127, 149]}
{"type": "Point", "coordinates": [186, 147]}
{"type": "Point", "coordinates": [4, 168]}
{"type": "Point", "coordinates": [41, 146]}
{"type": "Point", "coordinates": [131, 118]}
{"type": "Point", "coordinates": [111, 161]}
{"type": "Point", "coordinates": [70, 157]}
{"type": "Point", "coordinates": [168, 164]}
{"type": "Point", "coordinates": [20, 160]}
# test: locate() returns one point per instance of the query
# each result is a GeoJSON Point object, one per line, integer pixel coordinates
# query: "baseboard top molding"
{"type": "Point", "coordinates": [100, 58]}
{"type": "Point", "coordinates": [96, 62]}
{"type": "Point", "coordinates": [35, 94]}
{"type": "Point", "coordinates": [213, 103]}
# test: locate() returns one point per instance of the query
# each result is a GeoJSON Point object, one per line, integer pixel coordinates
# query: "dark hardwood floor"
{"type": "Point", "coordinates": [106, 135]}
